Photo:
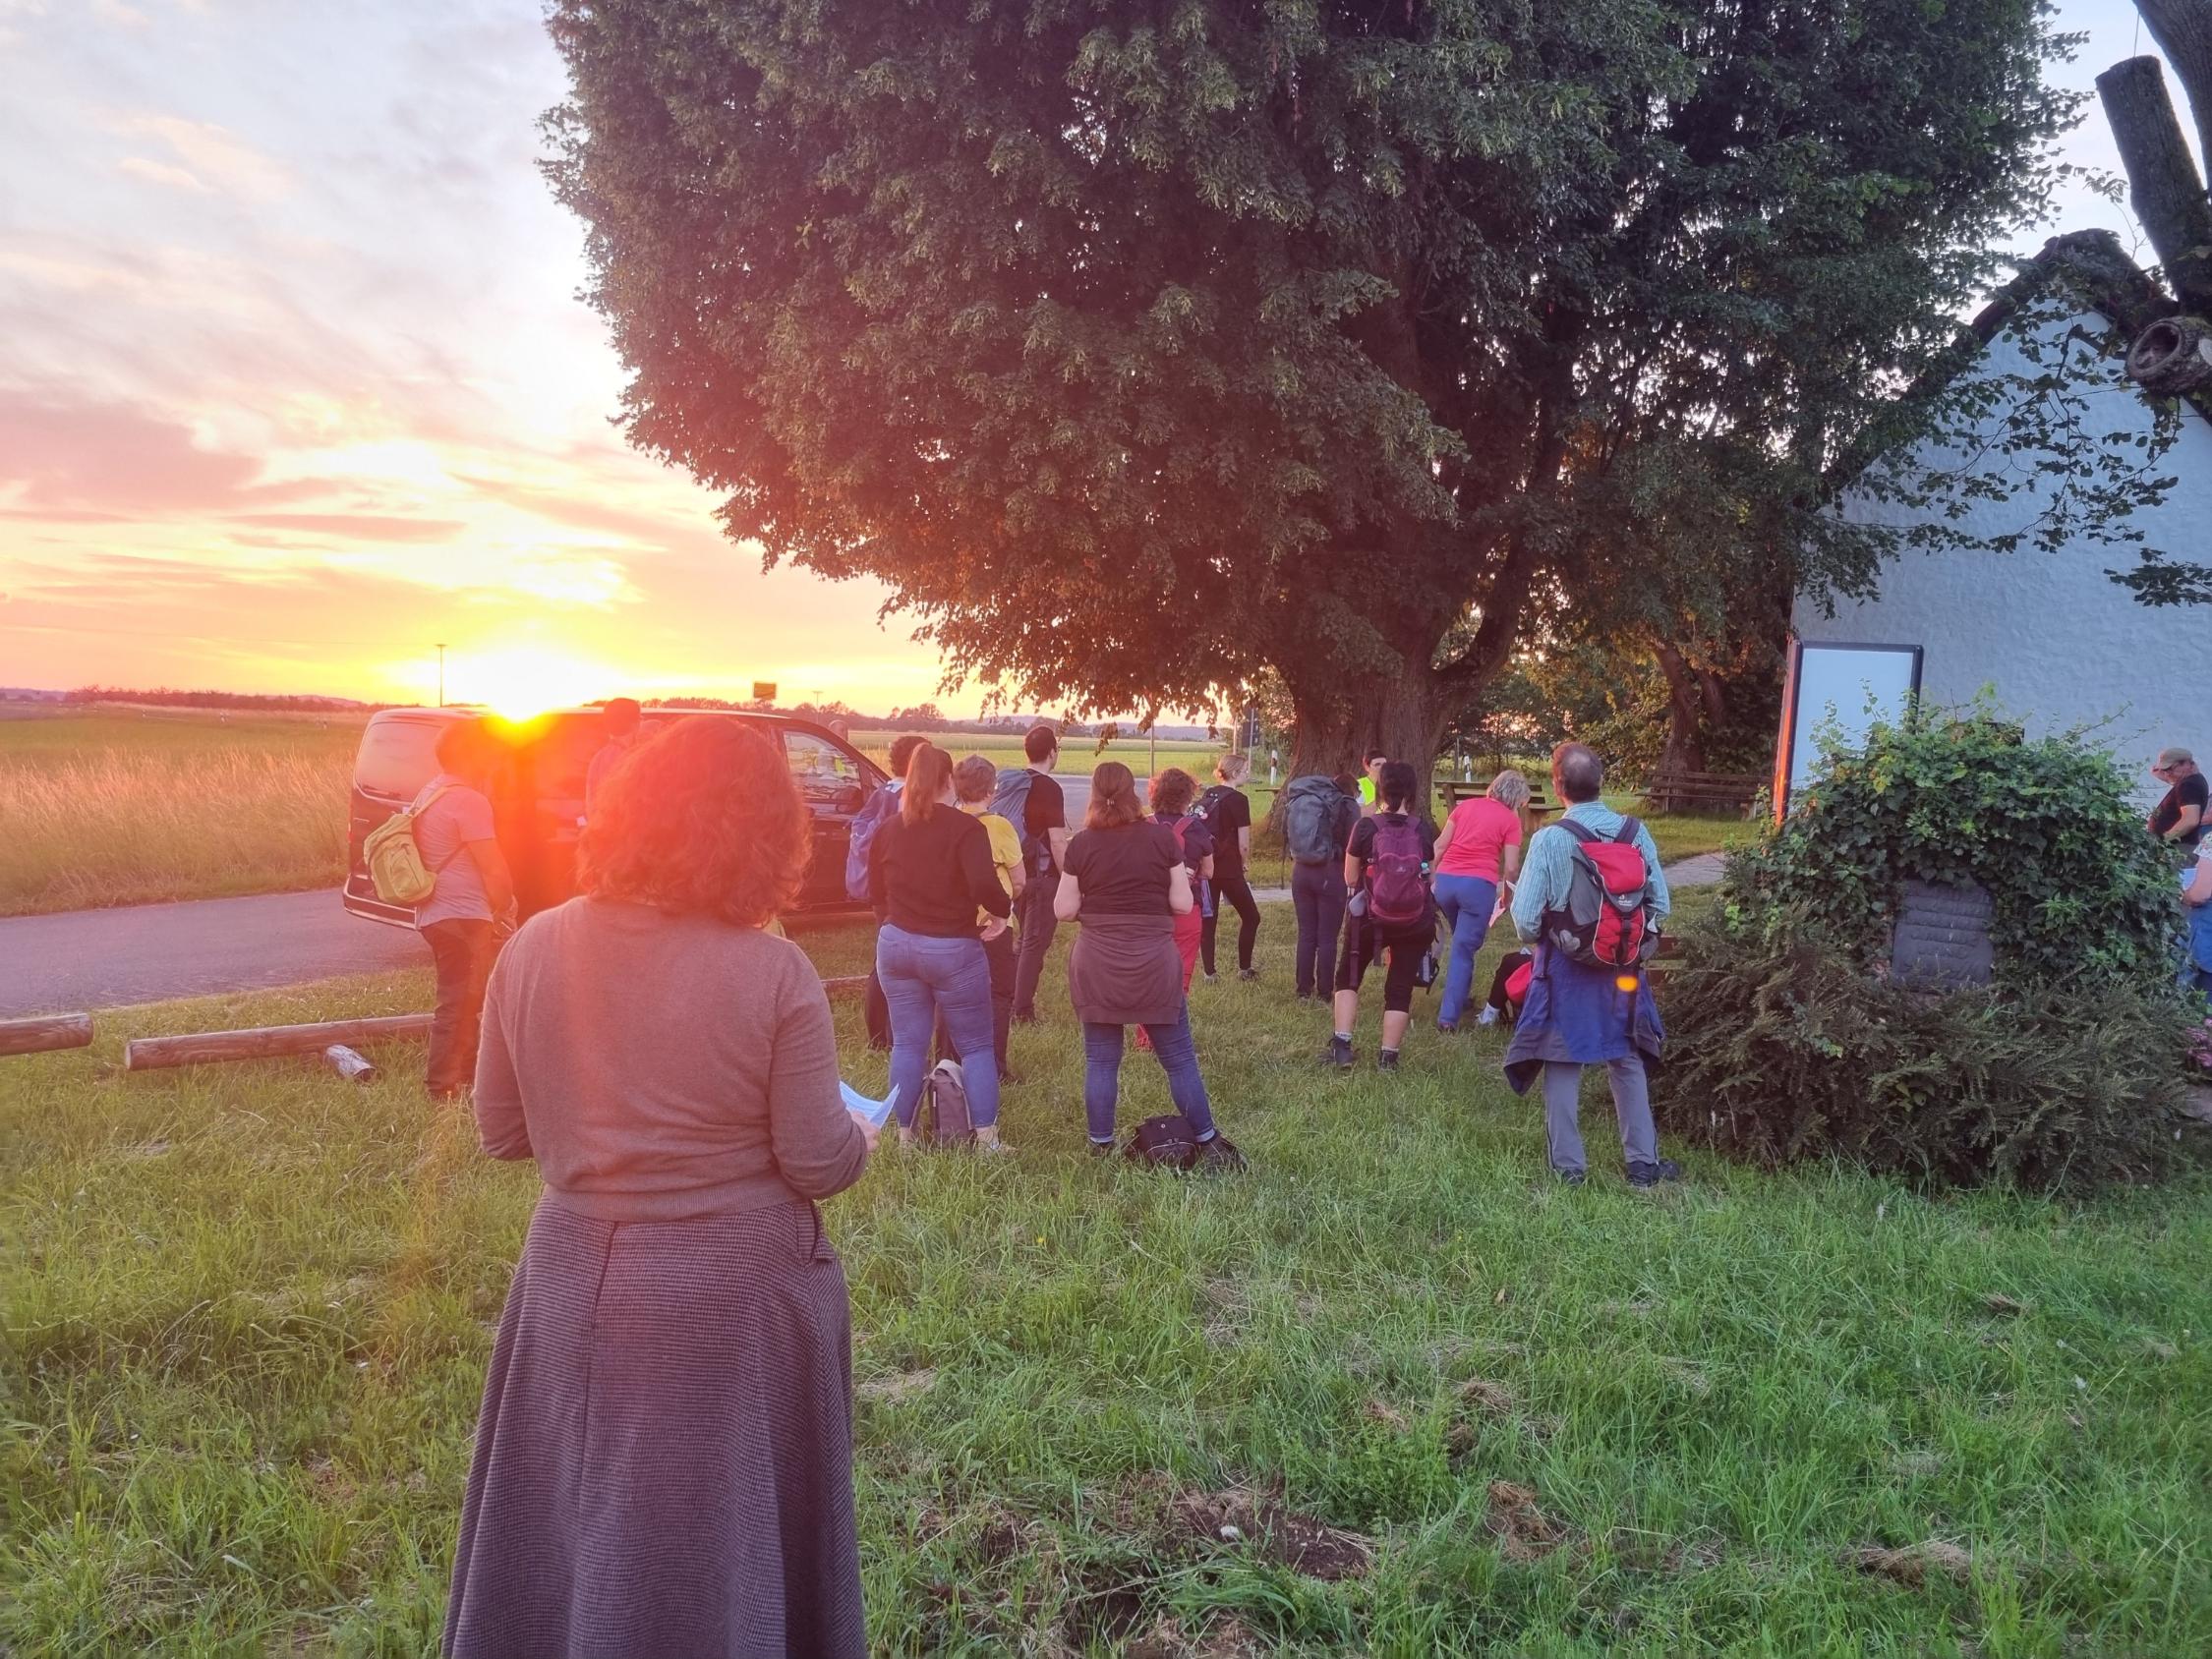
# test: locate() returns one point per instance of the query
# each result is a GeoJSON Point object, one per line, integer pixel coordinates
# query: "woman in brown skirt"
{"type": "Point", "coordinates": [664, 1464]}
{"type": "Point", "coordinates": [1123, 879]}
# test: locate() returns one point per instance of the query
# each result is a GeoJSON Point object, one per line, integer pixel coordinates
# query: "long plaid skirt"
{"type": "Point", "coordinates": [664, 1462]}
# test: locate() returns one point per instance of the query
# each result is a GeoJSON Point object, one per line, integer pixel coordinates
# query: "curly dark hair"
{"type": "Point", "coordinates": [1172, 791]}
{"type": "Point", "coordinates": [701, 820]}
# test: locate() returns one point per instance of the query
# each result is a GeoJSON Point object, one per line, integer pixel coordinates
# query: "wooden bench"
{"type": "Point", "coordinates": [1704, 791]}
{"type": "Point", "coordinates": [1540, 804]}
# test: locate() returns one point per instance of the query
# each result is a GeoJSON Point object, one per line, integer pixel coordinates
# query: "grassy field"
{"type": "Point", "coordinates": [1451, 1408]}
{"type": "Point", "coordinates": [116, 808]}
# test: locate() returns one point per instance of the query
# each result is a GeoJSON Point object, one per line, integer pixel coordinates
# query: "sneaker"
{"type": "Point", "coordinates": [1339, 1054]}
{"type": "Point", "coordinates": [1219, 1157]}
{"type": "Point", "coordinates": [1571, 1178]}
{"type": "Point", "coordinates": [1011, 1080]}
{"type": "Point", "coordinates": [1386, 1059]}
{"type": "Point", "coordinates": [1247, 973]}
{"type": "Point", "coordinates": [1102, 1149]}
{"type": "Point", "coordinates": [1022, 1016]}
{"type": "Point", "coordinates": [1488, 1016]}
{"type": "Point", "coordinates": [1209, 976]}
{"type": "Point", "coordinates": [1443, 1030]}
{"type": "Point", "coordinates": [1651, 1175]}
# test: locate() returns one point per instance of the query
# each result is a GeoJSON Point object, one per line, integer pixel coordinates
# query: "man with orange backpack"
{"type": "Point", "coordinates": [1590, 900]}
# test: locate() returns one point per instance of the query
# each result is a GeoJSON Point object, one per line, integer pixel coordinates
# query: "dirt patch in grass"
{"type": "Point", "coordinates": [1225, 1639]}
{"type": "Point", "coordinates": [897, 1385]}
{"type": "Point", "coordinates": [1524, 1532]}
{"type": "Point", "coordinates": [1280, 1535]}
{"type": "Point", "coordinates": [1915, 1563]}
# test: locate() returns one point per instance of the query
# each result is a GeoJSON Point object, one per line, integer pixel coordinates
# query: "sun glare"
{"type": "Point", "coordinates": [520, 681]}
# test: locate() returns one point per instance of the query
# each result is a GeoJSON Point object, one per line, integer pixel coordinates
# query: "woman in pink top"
{"type": "Point", "coordinates": [1479, 852]}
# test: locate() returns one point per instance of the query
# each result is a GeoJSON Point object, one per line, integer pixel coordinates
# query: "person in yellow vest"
{"type": "Point", "coordinates": [1370, 778]}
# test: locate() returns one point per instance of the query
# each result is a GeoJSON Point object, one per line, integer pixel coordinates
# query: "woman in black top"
{"type": "Point", "coordinates": [1368, 936]}
{"type": "Point", "coordinates": [1228, 815]}
{"type": "Point", "coordinates": [929, 870]}
{"type": "Point", "coordinates": [1125, 880]}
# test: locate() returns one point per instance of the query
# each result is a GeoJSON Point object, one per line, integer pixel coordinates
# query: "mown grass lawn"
{"type": "Point", "coordinates": [248, 1310]}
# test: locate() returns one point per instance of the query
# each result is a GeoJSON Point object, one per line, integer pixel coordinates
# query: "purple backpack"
{"type": "Point", "coordinates": [1396, 894]}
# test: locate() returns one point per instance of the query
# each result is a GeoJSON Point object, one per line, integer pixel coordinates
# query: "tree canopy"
{"type": "Point", "coordinates": [1143, 347]}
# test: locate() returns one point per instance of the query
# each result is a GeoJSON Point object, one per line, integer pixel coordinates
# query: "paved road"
{"type": "Point", "coordinates": [146, 953]}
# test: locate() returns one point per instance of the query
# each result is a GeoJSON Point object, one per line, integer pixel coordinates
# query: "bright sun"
{"type": "Point", "coordinates": [519, 681]}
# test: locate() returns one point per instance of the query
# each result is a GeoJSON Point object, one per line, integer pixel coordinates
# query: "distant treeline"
{"type": "Point", "coordinates": [165, 697]}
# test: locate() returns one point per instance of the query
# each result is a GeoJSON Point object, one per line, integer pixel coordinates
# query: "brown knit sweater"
{"type": "Point", "coordinates": [660, 1067]}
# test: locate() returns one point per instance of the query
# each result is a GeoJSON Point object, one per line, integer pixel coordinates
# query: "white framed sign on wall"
{"type": "Point", "coordinates": [1851, 688]}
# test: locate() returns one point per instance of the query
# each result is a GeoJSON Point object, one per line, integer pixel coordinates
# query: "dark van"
{"type": "Point", "coordinates": [538, 794]}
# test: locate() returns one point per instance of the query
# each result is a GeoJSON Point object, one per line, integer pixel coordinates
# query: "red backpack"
{"type": "Point", "coordinates": [1396, 894]}
{"type": "Point", "coordinates": [1603, 921]}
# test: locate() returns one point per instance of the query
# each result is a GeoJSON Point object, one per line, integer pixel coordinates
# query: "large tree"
{"type": "Point", "coordinates": [1141, 347]}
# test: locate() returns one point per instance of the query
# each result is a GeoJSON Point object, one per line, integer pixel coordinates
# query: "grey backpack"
{"type": "Point", "coordinates": [942, 1118]}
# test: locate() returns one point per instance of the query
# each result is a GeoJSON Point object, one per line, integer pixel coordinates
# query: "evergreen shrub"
{"type": "Point", "coordinates": [1786, 1038]}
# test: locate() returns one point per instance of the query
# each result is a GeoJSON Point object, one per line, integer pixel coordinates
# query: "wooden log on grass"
{"type": "Point", "coordinates": [46, 1032]}
{"type": "Point", "coordinates": [264, 1042]}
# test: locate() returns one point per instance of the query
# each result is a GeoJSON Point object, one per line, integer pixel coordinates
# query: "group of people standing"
{"type": "Point", "coordinates": [947, 865]}
{"type": "Point", "coordinates": [663, 1458]}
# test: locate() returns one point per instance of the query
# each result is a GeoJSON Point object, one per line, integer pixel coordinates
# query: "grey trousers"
{"type": "Point", "coordinates": [1632, 1105]}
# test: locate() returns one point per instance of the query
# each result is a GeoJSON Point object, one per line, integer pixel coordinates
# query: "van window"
{"type": "Point", "coordinates": [398, 755]}
{"type": "Point", "coordinates": [818, 766]}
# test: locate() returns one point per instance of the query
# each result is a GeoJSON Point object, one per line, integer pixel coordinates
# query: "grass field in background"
{"type": "Point", "coordinates": [250, 1309]}
{"type": "Point", "coordinates": [115, 808]}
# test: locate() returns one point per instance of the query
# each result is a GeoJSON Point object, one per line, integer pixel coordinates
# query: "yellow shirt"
{"type": "Point", "coordinates": [1006, 852]}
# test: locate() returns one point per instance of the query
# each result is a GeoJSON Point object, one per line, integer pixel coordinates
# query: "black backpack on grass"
{"type": "Point", "coordinates": [1165, 1142]}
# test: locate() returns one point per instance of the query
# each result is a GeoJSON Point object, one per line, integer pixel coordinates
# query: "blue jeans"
{"type": "Point", "coordinates": [1179, 1058]}
{"type": "Point", "coordinates": [1466, 902]}
{"type": "Point", "coordinates": [923, 977]}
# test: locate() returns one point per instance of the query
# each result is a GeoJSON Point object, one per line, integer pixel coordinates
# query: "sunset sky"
{"type": "Point", "coordinates": [296, 385]}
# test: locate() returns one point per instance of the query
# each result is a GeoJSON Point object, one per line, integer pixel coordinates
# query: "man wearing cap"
{"type": "Point", "coordinates": [2179, 818]}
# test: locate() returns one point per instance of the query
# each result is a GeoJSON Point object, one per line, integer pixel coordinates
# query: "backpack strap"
{"type": "Point", "coordinates": [423, 805]}
{"type": "Point", "coordinates": [1626, 833]}
{"type": "Point", "coordinates": [1580, 830]}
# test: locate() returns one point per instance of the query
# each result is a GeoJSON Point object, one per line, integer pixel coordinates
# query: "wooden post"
{"type": "Point", "coordinates": [2162, 176]}
{"type": "Point", "coordinates": [45, 1033]}
{"type": "Point", "coordinates": [145, 1053]}
{"type": "Point", "coordinates": [2182, 30]}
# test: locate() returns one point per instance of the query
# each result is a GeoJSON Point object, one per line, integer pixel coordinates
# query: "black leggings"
{"type": "Point", "coordinates": [1237, 891]}
{"type": "Point", "coordinates": [1364, 940]}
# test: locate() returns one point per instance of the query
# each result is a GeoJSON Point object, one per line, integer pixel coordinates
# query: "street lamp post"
{"type": "Point", "coordinates": [442, 673]}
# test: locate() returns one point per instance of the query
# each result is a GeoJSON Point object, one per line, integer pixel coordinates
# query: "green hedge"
{"type": "Point", "coordinates": [1787, 1039]}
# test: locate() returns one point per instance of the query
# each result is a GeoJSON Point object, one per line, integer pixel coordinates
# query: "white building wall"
{"type": "Point", "coordinates": [2061, 644]}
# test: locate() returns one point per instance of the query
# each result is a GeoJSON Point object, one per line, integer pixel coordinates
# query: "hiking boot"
{"type": "Point", "coordinates": [1651, 1175]}
{"type": "Point", "coordinates": [1386, 1059]}
{"type": "Point", "coordinates": [1021, 1016]}
{"type": "Point", "coordinates": [1339, 1054]}
{"type": "Point", "coordinates": [1011, 1080]}
{"type": "Point", "coordinates": [1219, 1157]}
{"type": "Point", "coordinates": [1571, 1178]}
{"type": "Point", "coordinates": [1248, 974]}
{"type": "Point", "coordinates": [1209, 976]}
{"type": "Point", "coordinates": [1443, 1030]}
{"type": "Point", "coordinates": [1102, 1149]}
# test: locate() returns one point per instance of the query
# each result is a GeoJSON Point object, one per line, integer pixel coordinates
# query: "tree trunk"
{"type": "Point", "coordinates": [2182, 30]}
{"type": "Point", "coordinates": [1403, 716]}
{"type": "Point", "coordinates": [2162, 176]}
{"type": "Point", "coordinates": [1685, 711]}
